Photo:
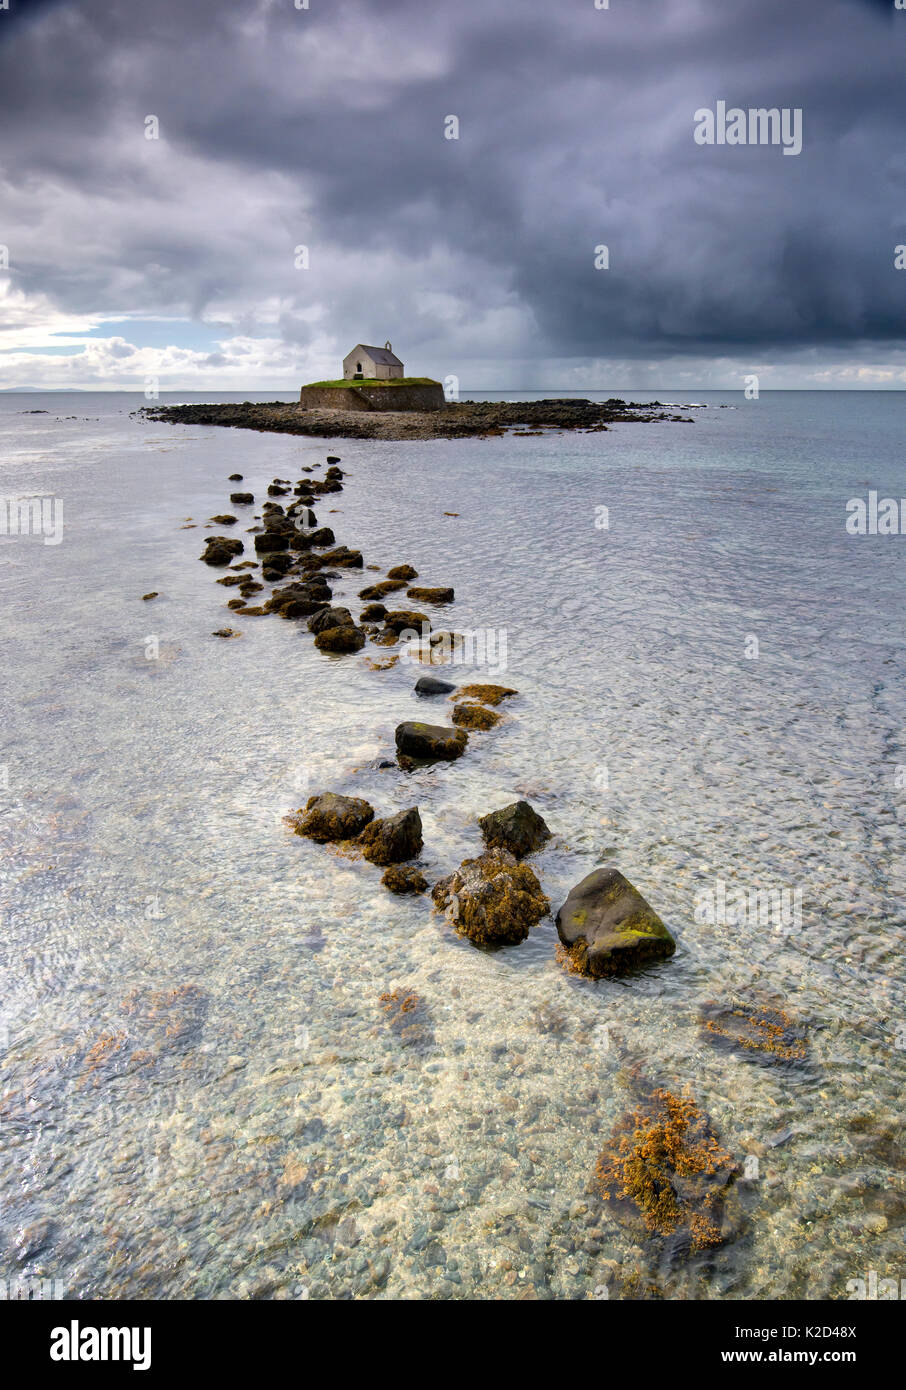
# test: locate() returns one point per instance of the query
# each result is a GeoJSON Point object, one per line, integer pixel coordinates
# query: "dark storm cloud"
{"type": "Point", "coordinates": [326, 126]}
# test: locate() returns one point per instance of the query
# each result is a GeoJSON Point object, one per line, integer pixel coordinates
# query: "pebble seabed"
{"type": "Point", "coordinates": [310, 1089]}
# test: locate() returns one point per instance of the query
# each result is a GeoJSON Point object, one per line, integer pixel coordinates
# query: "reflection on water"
{"type": "Point", "coordinates": [210, 1088]}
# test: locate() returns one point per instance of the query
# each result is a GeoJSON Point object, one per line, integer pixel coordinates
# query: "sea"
{"type": "Point", "coordinates": [208, 1086]}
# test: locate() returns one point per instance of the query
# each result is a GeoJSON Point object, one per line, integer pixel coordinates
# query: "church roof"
{"type": "Point", "coordinates": [382, 355]}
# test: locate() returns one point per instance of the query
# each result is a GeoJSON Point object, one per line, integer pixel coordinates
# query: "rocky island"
{"type": "Point", "coordinates": [446, 420]}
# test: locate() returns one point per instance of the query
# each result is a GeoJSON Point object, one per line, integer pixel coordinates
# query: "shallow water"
{"type": "Point", "coordinates": [202, 1095]}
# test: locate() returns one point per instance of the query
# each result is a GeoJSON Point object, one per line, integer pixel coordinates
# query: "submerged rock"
{"type": "Point", "coordinates": [492, 900]}
{"type": "Point", "coordinates": [402, 619]}
{"type": "Point", "coordinates": [430, 685]}
{"type": "Point", "coordinates": [271, 540]}
{"type": "Point", "coordinates": [330, 617]}
{"type": "Point", "coordinates": [761, 1033]}
{"type": "Point", "coordinates": [404, 879]}
{"type": "Point", "coordinates": [517, 828]}
{"type": "Point", "coordinates": [664, 1172]}
{"type": "Point", "coordinates": [332, 817]}
{"type": "Point", "coordinates": [474, 717]}
{"type": "Point", "coordinates": [340, 640]}
{"type": "Point", "coordinates": [430, 741]}
{"type": "Point", "coordinates": [220, 550]}
{"type": "Point", "coordinates": [381, 590]}
{"type": "Point", "coordinates": [408, 1017]}
{"type": "Point", "coordinates": [486, 694]}
{"type": "Point", "coordinates": [607, 927]}
{"type": "Point", "coordinates": [343, 558]}
{"type": "Point", "coordinates": [224, 519]}
{"type": "Point", "coordinates": [430, 595]}
{"type": "Point", "coordinates": [393, 839]}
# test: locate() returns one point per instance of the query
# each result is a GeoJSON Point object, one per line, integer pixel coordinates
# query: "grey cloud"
{"type": "Point", "coordinates": [576, 130]}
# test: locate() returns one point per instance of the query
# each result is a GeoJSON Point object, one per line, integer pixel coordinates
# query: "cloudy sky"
{"type": "Point", "coordinates": [325, 128]}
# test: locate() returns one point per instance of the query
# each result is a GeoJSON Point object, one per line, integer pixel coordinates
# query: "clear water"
{"type": "Point", "coordinates": [201, 1095]}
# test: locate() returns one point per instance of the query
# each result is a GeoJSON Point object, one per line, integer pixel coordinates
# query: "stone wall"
{"type": "Point", "coordinates": [373, 397]}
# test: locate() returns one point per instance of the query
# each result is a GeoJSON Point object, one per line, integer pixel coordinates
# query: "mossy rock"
{"type": "Point", "coordinates": [607, 927]}
{"type": "Point", "coordinates": [403, 878]}
{"type": "Point", "coordinates": [492, 900]}
{"type": "Point", "coordinates": [474, 717]}
{"type": "Point", "coordinates": [340, 640]}
{"type": "Point", "coordinates": [485, 694]}
{"type": "Point", "coordinates": [517, 828]}
{"type": "Point", "coordinates": [422, 595]}
{"type": "Point", "coordinates": [404, 572]}
{"type": "Point", "coordinates": [381, 590]}
{"type": "Point", "coordinates": [393, 839]}
{"type": "Point", "coordinates": [430, 742]}
{"type": "Point", "coordinates": [332, 817]}
{"type": "Point", "coordinates": [404, 619]}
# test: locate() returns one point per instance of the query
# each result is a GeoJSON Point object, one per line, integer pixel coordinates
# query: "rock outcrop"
{"type": "Point", "coordinates": [492, 900]}
{"type": "Point", "coordinates": [517, 828]}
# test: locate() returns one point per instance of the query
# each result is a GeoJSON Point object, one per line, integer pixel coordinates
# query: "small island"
{"type": "Point", "coordinates": [374, 400]}
{"type": "Point", "coordinates": [373, 379]}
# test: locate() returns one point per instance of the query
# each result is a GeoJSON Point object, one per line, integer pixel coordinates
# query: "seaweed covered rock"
{"type": "Point", "coordinates": [323, 536]}
{"type": "Point", "coordinates": [664, 1171]}
{"type": "Point", "coordinates": [275, 565]}
{"type": "Point", "coordinates": [486, 694]}
{"type": "Point", "coordinates": [220, 550]}
{"type": "Point", "coordinates": [332, 817]}
{"type": "Point", "coordinates": [330, 617]}
{"type": "Point", "coordinates": [343, 558]}
{"type": "Point", "coordinates": [469, 716]}
{"type": "Point", "coordinates": [340, 640]}
{"type": "Point", "coordinates": [430, 741]}
{"type": "Point", "coordinates": [393, 839]}
{"type": "Point", "coordinates": [242, 499]}
{"type": "Point", "coordinates": [404, 879]}
{"type": "Point", "coordinates": [492, 900]}
{"type": "Point", "coordinates": [373, 613]}
{"type": "Point", "coordinates": [758, 1032]}
{"type": "Point", "coordinates": [517, 828]}
{"type": "Point", "coordinates": [381, 590]}
{"type": "Point", "coordinates": [422, 595]}
{"type": "Point", "coordinates": [607, 927]}
{"type": "Point", "coordinates": [223, 519]}
{"type": "Point", "coordinates": [404, 619]}
{"type": "Point", "coordinates": [408, 1017]}
{"type": "Point", "coordinates": [405, 572]}
{"type": "Point", "coordinates": [271, 540]}
{"type": "Point", "coordinates": [299, 600]}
